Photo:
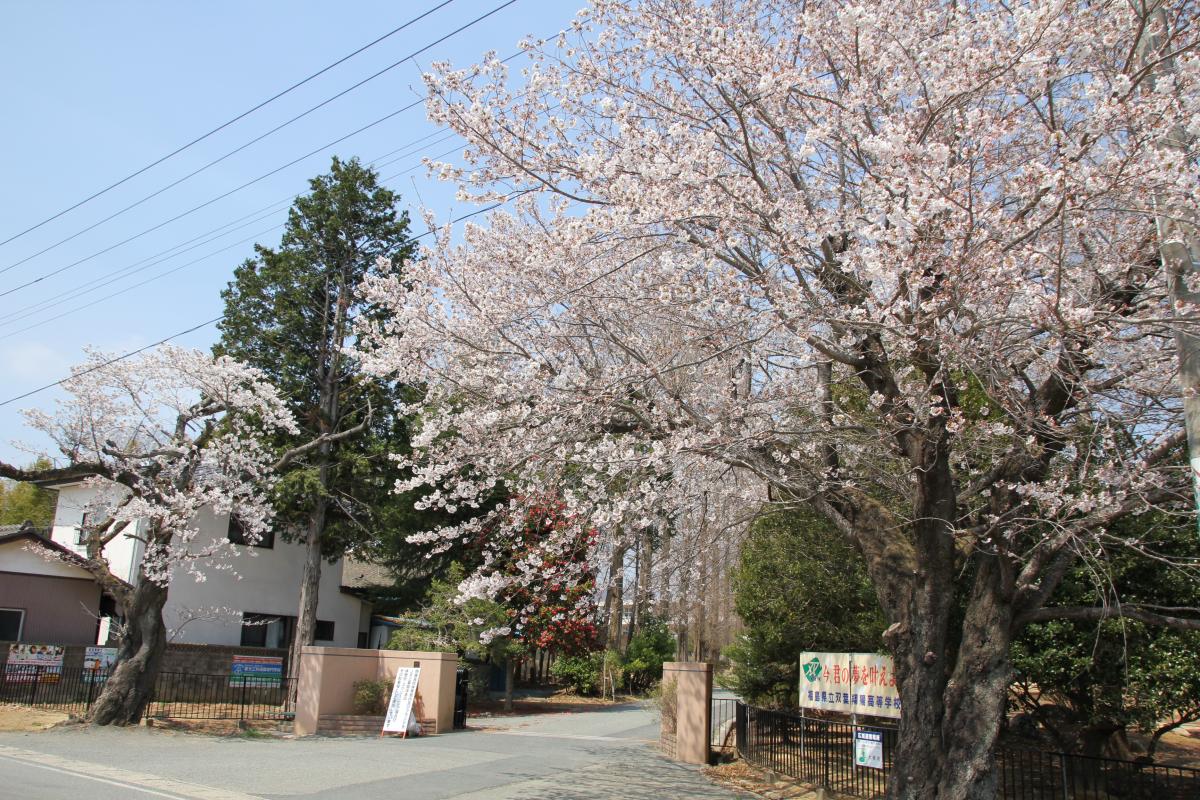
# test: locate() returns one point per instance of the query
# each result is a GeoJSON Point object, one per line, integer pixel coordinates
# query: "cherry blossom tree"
{"type": "Point", "coordinates": [160, 437]}
{"type": "Point", "coordinates": [898, 263]}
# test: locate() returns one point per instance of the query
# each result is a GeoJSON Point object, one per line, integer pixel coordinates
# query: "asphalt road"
{"type": "Point", "coordinates": [592, 755]}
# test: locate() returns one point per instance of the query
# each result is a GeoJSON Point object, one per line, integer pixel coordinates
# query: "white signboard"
{"type": "Point", "coordinates": [853, 683]}
{"type": "Point", "coordinates": [404, 690]}
{"type": "Point", "coordinates": [30, 662]}
{"type": "Point", "coordinates": [868, 749]}
{"type": "Point", "coordinates": [97, 661]}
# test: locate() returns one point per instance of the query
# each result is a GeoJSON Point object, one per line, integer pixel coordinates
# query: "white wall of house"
{"type": "Point", "coordinates": [256, 580]}
{"type": "Point", "coordinates": [17, 557]}
{"type": "Point", "coordinates": [122, 553]}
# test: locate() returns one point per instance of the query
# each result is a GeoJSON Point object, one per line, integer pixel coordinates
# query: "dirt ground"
{"type": "Point", "coordinates": [23, 718]}
{"type": "Point", "coordinates": [558, 703]}
{"type": "Point", "coordinates": [741, 777]}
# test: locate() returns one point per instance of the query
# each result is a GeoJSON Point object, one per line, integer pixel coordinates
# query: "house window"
{"type": "Point", "coordinates": [267, 630]}
{"type": "Point", "coordinates": [324, 632]}
{"type": "Point", "coordinates": [12, 621]}
{"type": "Point", "coordinates": [81, 532]}
{"type": "Point", "coordinates": [237, 535]}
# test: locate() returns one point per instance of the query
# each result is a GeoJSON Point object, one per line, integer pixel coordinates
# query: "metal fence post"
{"type": "Point", "coordinates": [242, 708]}
{"type": "Point", "coordinates": [37, 677]}
{"type": "Point", "coordinates": [826, 746]}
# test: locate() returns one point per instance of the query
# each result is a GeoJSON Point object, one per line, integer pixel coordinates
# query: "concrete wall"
{"type": "Point", "coordinates": [57, 610]}
{"type": "Point", "coordinates": [244, 579]}
{"type": "Point", "coordinates": [327, 676]}
{"type": "Point", "coordinates": [693, 702]}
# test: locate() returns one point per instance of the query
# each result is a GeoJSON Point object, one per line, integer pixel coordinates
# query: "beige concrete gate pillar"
{"type": "Point", "coordinates": [693, 708]}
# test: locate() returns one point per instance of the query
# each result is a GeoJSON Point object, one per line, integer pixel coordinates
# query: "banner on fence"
{"type": "Point", "coordinates": [96, 663]}
{"type": "Point", "coordinates": [868, 749]}
{"type": "Point", "coordinates": [404, 691]}
{"type": "Point", "coordinates": [28, 660]}
{"type": "Point", "coordinates": [257, 671]}
{"type": "Point", "coordinates": [853, 683]}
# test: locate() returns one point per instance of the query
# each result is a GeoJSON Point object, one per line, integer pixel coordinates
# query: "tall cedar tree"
{"type": "Point", "coordinates": [291, 312]}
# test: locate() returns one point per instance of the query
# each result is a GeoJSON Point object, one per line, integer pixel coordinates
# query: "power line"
{"type": "Point", "coordinates": [95, 367]}
{"type": "Point", "coordinates": [136, 267]}
{"type": "Point", "coordinates": [139, 266]}
{"type": "Point", "coordinates": [259, 138]}
{"type": "Point", "coordinates": [253, 217]}
{"type": "Point", "coordinates": [119, 292]}
{"type": "Point", "coordinates": [194, 328]}
{"type": "Point", "coordinates": [205, 204]}
{"type": "Point", "coordinates": [227, 123]}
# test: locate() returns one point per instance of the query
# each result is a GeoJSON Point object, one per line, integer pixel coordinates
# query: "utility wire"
{"type": "Point", "coordinates": [130, 354]}
{"type": "Point", "coordinates": [259, 138]}
{"type": "Point", "coordinates": [194, 328]}
{"type": "Point", "coordinates": [205, 204]}
{"type": "Point", "coordinates": [227, 123]}
{"type": "Point", "coordinates": [179, 249]}
{"type": "Point", "coordinates": [92, 286]}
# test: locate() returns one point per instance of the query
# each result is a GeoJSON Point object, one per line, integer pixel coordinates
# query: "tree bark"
{"type": "Point", "coordinates": [616, 597]}
{"type": "Point", "coordinates": [509, 674]}
{"type": "Point", "coordinates": [310, 583]}
{"type": "Point", "coordinates": [131, 686]}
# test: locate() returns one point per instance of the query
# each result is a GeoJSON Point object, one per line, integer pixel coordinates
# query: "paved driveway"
{"type": "Point", "coordinates": [592, 755]}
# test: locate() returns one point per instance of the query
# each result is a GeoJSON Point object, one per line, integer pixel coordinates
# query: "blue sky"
{"type": "Point", "coordinates": [94, 91]}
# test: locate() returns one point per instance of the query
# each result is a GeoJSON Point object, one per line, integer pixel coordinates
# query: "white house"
{"type": "Point", "coordinates": [252, 601]}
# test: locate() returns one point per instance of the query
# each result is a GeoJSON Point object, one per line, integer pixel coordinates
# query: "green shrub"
{"type": "Point", "coordinates": [648, 649]}
{"type": "Point", "coordinates": [371, 697]}
{"type": "Point", "coordinates": [581, 673]}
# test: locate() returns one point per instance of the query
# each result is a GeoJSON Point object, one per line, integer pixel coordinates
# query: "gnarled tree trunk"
{"type": "Point", "coordinates": [131, 686]}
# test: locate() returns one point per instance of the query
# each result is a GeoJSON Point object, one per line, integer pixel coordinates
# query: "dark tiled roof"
{"type": "Point", "coordinates": [363, 574]}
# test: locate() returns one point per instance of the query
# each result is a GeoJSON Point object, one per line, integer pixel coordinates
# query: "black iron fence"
{"type": "Point", "coordinates": [177, 695]}
{"type": "Point", "coordinates": [817, 751]}
{"type": "Point", "coordinates": [855, 760]}
{"type": "Point", "coordinates": [1035, 774]}
{"type": "Point", "coordinates": [724, 713]}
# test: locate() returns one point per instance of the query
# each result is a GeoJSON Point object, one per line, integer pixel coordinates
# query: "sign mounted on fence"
{"type": "Point", "coordinates": [404, 691]}
{"type": "Point", "coordinates": [257, 671]}
{"type": "Point", "coordinates": [853, 683]}
{"type": "Point", "coordinates": [868, 749]}
{"type": "Point", "coordinates": [96, 663]}
{"type": "Point", "coordinates": [25, 661]}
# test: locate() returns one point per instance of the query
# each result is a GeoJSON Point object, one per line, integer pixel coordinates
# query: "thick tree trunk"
{"type": "Point", "coordinates": [310, 585]}
{"type": "Point", "coordinates": [131, 686]}
{"type": "Point", "coordinates": [616, 597]}
{"type": "Point", "coordinates": [953, 689]}
{"type": "Point", "coordinates": [509, 674]}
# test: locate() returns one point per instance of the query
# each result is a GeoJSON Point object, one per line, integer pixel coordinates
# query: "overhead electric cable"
{"type": "Point", "coordinates": [227, 123]}
{"type": "Point", "coordinates": [196, 241]}
{"type": "Point", "coordinates": [205, 204]}
{"type": "Point", "coordinates": [259, 138]}
{"type": "Point", "coordinates": [194, 328]}
{"type": "Point", "coordinates": [43, 322]}
{"type": "Point", "coordinates": [140, 266]}
{"type": "Point", "coordinates": [95, 367]}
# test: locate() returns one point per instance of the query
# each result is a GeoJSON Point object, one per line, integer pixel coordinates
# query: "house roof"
{"type": "Point", "coordinates": [27, 532]}
{"type": "Point", "coordinates": [14, 533]}
{"type": "Point", "coordinates": [358, 574]}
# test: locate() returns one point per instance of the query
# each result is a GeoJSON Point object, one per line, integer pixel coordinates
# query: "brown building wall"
{"type": "Point", "coordinates": [57, 610]}
{"type": "Point", "coordinates": [195, 659]}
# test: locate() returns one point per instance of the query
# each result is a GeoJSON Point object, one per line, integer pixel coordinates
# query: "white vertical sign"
{"type": "Point", "coordinates": [868, 748]}
{"type": "Point", "coordinates": [404, 690]}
